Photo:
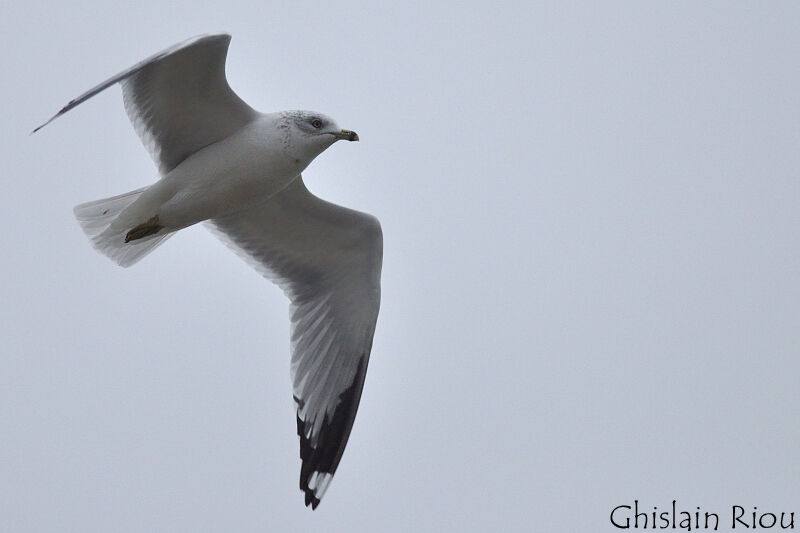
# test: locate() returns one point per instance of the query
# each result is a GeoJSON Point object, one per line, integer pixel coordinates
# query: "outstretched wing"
{"type": "Point", "coordinates": [327, 259]}
{"type": "Point", "coordinates": [178, 99]}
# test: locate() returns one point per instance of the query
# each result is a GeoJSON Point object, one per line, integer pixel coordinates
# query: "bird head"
{"type": "Point", "coordinates": [314, 132]}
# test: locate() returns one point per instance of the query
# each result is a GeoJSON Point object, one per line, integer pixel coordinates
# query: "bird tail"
{"type": "Point", "coordinates": [107, 222]}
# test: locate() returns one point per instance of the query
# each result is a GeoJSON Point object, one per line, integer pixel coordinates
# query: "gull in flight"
{"type": "Point", "coordinates": [239, 171]}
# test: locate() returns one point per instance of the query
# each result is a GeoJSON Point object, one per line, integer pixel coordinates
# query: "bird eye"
{"type": "Point", "coordinates": [317, 123]}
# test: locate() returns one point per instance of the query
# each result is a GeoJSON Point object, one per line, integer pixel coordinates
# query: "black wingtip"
{"type": "Point", "coordinates": [331, 438]}
{"type": "Point", "coordinates": [72, 103]}
{"type": "Point", "coordinates": [311, 500]}
{"type": "Point", "coordinates": [46, 123]}
{"type": "Point", "coordinates": [306, 453]}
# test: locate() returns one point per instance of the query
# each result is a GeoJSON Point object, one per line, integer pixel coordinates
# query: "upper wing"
{"type": "Point", "coordinates": [327, 259]}
{"type": "Point", "coordinates": [178, 100]}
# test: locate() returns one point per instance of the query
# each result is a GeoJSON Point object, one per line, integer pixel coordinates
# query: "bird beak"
{"type": "Point", "coordinates": [346, 135]}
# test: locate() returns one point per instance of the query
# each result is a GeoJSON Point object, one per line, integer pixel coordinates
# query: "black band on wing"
{"type": "Point", "coordinates": [332, 436]}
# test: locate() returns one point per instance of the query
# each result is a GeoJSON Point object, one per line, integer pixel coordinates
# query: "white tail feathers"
{"type": "Point", "coordinates": [107, 221]}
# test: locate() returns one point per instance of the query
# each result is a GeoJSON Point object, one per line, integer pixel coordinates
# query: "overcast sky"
{"type": "Point", "coordinates": [591, 279]}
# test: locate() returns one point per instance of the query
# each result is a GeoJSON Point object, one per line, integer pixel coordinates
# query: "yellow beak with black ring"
{"type": "Point", "coordinates": [346, 135]}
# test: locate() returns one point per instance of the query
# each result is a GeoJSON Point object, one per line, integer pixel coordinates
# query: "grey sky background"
{"type": "Point", "coordinates": [591, 281]}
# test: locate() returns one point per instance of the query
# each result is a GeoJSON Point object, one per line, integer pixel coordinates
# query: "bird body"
{"type": "Point", "coordinates": [238, 170]}
{"type": "Point", "coordinates": [248, 167]}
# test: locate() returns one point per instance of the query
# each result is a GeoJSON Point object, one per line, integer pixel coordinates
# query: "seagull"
{"type": "Point", "coordinates": [239, 171]}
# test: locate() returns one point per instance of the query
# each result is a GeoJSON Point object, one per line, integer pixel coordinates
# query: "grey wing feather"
{"type": "Point", "coordinates": [327, 259]}
{"type": "Point", "coordinates": [178, 100]}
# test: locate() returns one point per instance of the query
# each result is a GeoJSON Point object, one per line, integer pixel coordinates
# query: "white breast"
{"type": "Point", "coordinates": [246, 168]}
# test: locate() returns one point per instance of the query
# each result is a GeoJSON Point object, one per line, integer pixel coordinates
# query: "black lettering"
{"type": "Point", "coordinates": [738, 517]}
{"type": "Point", "coordinates": [673, 514]}
{"type": "Point", "coordinates": [637, 514]}
{"type": "Point", "coordinates": [627, 518]}
{"type": "Point", "coordinates": [686, 521]}
{"type": "Point", "coordinates": [767, 526]}
{"type": "Point", "coordinates": [716, 520]}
